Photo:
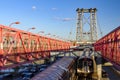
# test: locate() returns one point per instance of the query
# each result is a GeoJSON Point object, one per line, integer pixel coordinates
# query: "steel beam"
{"type": "Point", "coordinates": [109, 46]}
{"type": "Point", "coordinates": [18, 46]}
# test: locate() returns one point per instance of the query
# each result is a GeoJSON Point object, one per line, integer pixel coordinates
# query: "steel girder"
{"type": "Point", "coordinates": [109, 46]}
{"type": "Point", "coordinates": [18, 47]}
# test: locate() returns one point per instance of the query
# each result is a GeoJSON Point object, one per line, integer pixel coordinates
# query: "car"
{"type": "Point", "coordinates": [43, 66]}
{"type": "Point", "coordinates": [32, 70]}
{"type": "Point", "coordinates": [42, 69]}
{"type": "Point", "coordinates": [27, 76]}
{"type": "Point", "coordinates": [25, 71]}
{"type": "Point", "coordinates": [22, 70]}
{"type": "Point", "coordinates": [104, 74]}
{"type": "Point", "coordinates": [6, 76]}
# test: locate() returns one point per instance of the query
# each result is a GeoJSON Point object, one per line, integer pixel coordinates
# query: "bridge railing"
{"type": "Point", "coordinates": [109, 46]}
{"type": "Point", "coordinates": [18, 46]}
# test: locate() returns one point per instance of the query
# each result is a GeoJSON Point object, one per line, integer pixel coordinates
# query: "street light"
{"type": "Point", "coordinates": [54, 36]}
{"type": "Point", "coordinates": [31, 28]}
{"type": "Point", "coordinates": [14, 23]}
{"type": "Point", "coordinates": [57, 37]}
{"type": "Point", "coordinates": [48, 34]}
{"type": "Point", "coordinates": [40, 32]}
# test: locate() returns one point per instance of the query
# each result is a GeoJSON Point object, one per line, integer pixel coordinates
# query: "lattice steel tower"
{"type": "Point", "coordinates": [82, 20]}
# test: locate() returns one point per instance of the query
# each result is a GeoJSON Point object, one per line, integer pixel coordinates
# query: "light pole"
{"type": "Point", "coordinates": [14, 23]}
{"type": "Point", "coordinates": [31, 28]}
{"type": "Point", "coordinates": [41, 33]}
{"type": "Point", "coordinates": [57, 37]}
{"type": "Point", "coordinates": [54, 36]}
{"type": "Point", "coordinates": [8, 35]}
{"type": "Point", "coordinates": [47, 34]}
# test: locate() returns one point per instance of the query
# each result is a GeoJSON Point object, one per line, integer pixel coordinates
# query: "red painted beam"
{"type": "Point", "coordinates": [18, 46]}
{"type": "Point", "coordinates": [109, 46]}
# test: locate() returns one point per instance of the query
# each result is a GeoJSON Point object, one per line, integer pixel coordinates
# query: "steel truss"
{"type": "Point", "coordinates": [18, 47]}
{"type": "Point", "coordinates": [109, 46]}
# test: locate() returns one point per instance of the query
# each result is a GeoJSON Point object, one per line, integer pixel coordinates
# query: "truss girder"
{"type": "Point", "coordinates": [18, 46]}
{"type": "Point", "coordinates": [109, 46]}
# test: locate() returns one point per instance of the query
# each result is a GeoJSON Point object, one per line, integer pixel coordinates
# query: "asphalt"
{"type": "Point", "coordinates": [112, 74]}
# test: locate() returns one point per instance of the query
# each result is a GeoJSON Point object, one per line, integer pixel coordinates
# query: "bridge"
{"type": "Point", "coordinates": [18, 47]}
{"type": "Point", "coordinates": [109, 46]}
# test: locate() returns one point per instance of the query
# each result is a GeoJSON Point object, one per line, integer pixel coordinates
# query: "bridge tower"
{"type": "Point", "coordinates": [92, 34]}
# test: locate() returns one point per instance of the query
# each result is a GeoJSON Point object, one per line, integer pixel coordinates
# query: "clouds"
{"type": "Point", "coordinates": [54, 9]}
{"type": "Point", "coordinates": [63, 19]}
{"type": "Point", "coordinates": [34, 7]}
{"type": "Point", "coordinates": [55, 18]}
{"type": "Point", "coordinates": [67, 19]}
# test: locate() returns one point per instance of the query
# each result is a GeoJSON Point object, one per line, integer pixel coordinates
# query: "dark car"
{"type": "Point", "coordinates": [27, 76]}
{"type": "Point", "coordinates": [42, 69]}
{"type": "Point", "coordinates": [104, 74]}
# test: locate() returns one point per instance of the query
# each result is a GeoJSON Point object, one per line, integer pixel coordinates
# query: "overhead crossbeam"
{"type": "Point", "coordinates": [18, 46]}
{"type": "Point", "coordinates": [109, 46]}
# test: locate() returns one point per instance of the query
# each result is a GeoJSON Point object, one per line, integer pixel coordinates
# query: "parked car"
{"type": "Point", "coordinates": [41, 69]}
{"type": "Point", "coordinates": [104, 74]}
{"type": "Point", "coordinates": [27, 76]}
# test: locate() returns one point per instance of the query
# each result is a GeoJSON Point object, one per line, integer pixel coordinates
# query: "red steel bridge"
{"type": "Point", "coordinates": [18, 47]}
{"type": "Point", "coordinates": [109, 46]}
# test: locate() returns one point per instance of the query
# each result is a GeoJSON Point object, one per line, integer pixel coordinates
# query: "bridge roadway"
{"type": "Point", "coordinates": [112, 74]}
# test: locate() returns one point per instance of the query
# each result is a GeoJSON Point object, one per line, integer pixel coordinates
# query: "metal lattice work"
{"type": "Point", "coordinates": [109, 46]}
{"type": "Point", "coordinates": [17, 46]}
{"type": "Point", "coordinates": [82, 20]}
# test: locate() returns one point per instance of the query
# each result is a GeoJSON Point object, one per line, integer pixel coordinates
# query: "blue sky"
{"type": "Point", "coordinates": [57, 17]}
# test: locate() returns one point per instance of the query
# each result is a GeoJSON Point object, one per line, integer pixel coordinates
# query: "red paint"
{"type": "Point", "coordinates": [109, 46]}
{"type": "Point", "coordinates": [18, 46]}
